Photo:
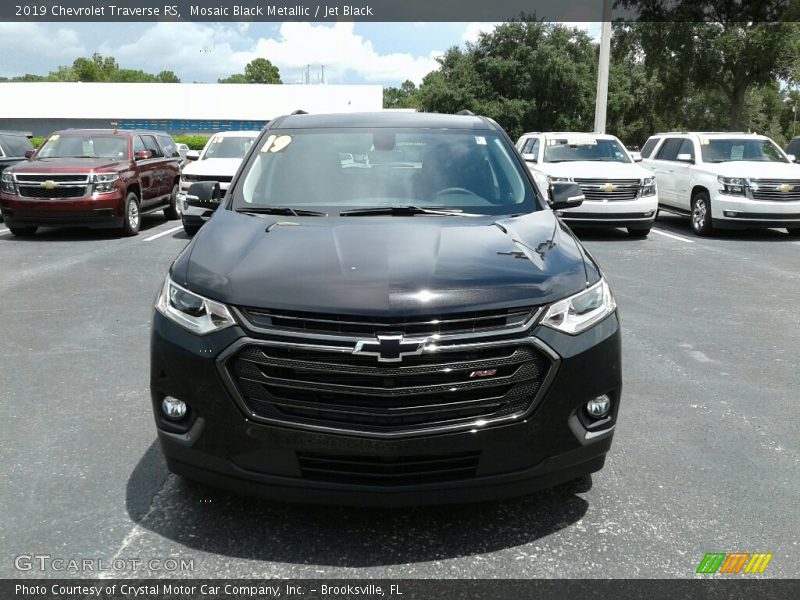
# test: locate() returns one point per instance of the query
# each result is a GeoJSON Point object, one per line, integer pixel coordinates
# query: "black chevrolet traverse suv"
{"type": "Point", "coordinates": [383, 311]}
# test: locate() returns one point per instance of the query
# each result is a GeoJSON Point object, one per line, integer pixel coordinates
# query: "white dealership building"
{"type": "Point", "coordinates": [179, 108]}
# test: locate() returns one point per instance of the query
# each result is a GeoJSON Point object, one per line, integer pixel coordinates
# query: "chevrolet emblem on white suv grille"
{"type": "Point", "coordinates": [608, 187]}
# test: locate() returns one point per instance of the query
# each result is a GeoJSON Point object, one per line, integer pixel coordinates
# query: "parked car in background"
{"type": "Point", "coordinates": [793, 148]}
{"type": "Point", "coordinates": [619, 192]}
{"type": "Point", "coordinates": [418, 329]}
{"type": "Point", "coordinates": [99, 178]}
{"type": "Point", "coordinates": [725, 180]}
{"type": "Point", "coordinates": [183, 150]}
{"type": "Point", "coordinates": [219, 160]}
{"type": "Point", "coordinates": [14, 146]}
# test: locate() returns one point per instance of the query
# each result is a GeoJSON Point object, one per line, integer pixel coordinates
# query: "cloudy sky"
{"type": "Point", "coordinates": [382, 53]}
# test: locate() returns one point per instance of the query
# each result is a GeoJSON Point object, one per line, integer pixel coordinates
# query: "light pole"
{"type": "Point", "coordinates": [601, 101]}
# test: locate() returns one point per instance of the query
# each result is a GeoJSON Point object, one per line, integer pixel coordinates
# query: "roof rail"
{"type": "Point", "coordinates": [299, 111]}
{"type": "Point", "coordinates": [466, 112]}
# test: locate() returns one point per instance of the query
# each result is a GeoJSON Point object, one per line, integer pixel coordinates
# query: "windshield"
{"type": "Point", "coordinates": [85, 146]}
{"type": "Point", "coordinates": [730, 150]}
{"type": "Point", "coordinates": [584, 148]}
{"type": "Point", "coordinates": [334, 170]}
{"type": "Point", "coordinates": [228, 147]}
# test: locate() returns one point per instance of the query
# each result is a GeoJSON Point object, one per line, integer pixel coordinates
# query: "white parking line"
{"type": "Point", "coordinates": [4, 231]}
{"type": "Point", "coordinates": [158, 235]}
{"type": "Point", "coordinates": [672, 235]}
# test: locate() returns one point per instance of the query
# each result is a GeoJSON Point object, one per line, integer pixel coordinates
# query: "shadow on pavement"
{"type": "Point", "coordinates": [213, 521]}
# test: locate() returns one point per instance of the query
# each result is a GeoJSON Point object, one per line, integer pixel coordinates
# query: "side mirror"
{"type": "Point", "coordinates": [204, 194]}
{"type": "Point", "coordinates": [685, 158]}
{"type": "Point", "coordinates": [792, 158]}
{"type": "Point", "coordinates": [565, 195]}
{"type": "Point", "coordinates": [529, 157]}
{"type": "Point", "coordinates": [143, 154]}
{"type": "Point", "coordinates": [192, 155]}
{"type": "Point", "coordinates": [636, 156]}
{"type": "Point", "coordinates": [29, 153]}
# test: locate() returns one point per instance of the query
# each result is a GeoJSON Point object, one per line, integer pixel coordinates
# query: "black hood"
{"type": "Point", "coordinates": [383, 265]}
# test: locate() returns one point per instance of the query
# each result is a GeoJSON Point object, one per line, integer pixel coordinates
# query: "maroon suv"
{"type": "Point", "coordinates": [98, 178]}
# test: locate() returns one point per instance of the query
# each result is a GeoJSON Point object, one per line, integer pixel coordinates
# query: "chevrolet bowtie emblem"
{"type": "Point", "coordinates": [608, 187]}
{"type": "Point", "coordinates": [390, 348]}
{"type": "Point", "coordinates": [786, 187]}
{"type": "Point", "coordinates": [49, 184]}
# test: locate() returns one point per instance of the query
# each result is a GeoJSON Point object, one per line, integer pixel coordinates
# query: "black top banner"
{"type": "Point", "coordinates": [398, 10]}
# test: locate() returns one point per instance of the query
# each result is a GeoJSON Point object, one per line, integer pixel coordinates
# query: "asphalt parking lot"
{"type": "Point", "coordinates": [706, 456]}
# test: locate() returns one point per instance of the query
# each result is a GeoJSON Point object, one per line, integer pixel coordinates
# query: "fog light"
{"type": "Point", "coordinates": [598, 407]}
{"type": "Point", "coordinates": [730, 213]}
{"type": "Point", "coordinates": [173, 408]}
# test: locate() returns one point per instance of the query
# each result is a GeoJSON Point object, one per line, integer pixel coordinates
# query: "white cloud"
{"type": "Point", "coordinates": [45, 43]}
{"type": "Point", "coordinates": [474, 29]}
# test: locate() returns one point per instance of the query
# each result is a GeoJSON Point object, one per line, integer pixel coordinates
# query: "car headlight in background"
{"type": "Point", "coordinates": [558, 179]}
{"type": "Point", "coordinates": [105, 182]}
{"type": "Point", "coordinates": [196, 313]}
{"type": "Point", "coordinates": [649, 186]}
{"type": "Point", "coordinates": [579, 312]}
{"type": "Point", "coordinates": [7, 183]}
{"type": "Point", "coordinates": [188, 178]}
{"type": "Point", "coordinates": [733, 186]}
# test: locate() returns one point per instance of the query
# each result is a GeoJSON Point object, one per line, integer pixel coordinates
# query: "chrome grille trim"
{"type": "Point", "coordinates": [536, 390]}
{"type": "Point", "coordinates": [626, 189]}
{"type": "Point", "coordinates": [770, 190]}
{"type": "Point", "coordinates": [533, 312]}
{"type": "Point", "coordinates": [66, 185]}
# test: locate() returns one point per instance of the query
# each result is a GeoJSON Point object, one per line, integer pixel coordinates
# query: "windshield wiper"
{"type": "Point", "coordinates": [405, 211]}
{"type": "Point", "coordinates": [281, 210]}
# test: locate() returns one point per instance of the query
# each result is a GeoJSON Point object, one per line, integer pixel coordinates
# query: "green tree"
{"type": "Point", "coordinates": [527, 75]}
{"type": "Point", "coordinates": [400, 97]}
{"type": "Point", "coordinates": [259, 70]}
{"type": "Point", "coordinates": [168, 77]}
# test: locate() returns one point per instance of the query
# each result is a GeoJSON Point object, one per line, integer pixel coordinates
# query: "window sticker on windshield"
{"type": "Point", "coordinates": [582, 142]}
{"type": "Point", "coordinates": [480, 140]}
{"type": "Point", "coordinates": [280, 143]}
{"type": "Point", "coordinates": [704, 141]}
{"type": "Point", "coordinates": [54, 137]}
{"type": "Point", "coordinates": [552, 142]}
{"type": "Point", "coordinates": [218, 140]}
{"type": "Point", "coordinates": [268, 143]}
{"type": "Point", "coordinates": [737, 152]}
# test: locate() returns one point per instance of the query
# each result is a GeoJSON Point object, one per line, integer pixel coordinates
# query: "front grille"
{"type": "Point", "coordinates": [773, 190]}
{"type": "Point", "coordinates": [624, 189]}
{"type": "Point", "coordinates": [338, 389]}
{"type": "Point", "coordinates": [61, 191]}
{"type": "Point", "coordinates": [459, 323]}
{"type": "Point", "coordinates": [77, 178]}
{"type": "Point", "coordinates": [388, 471]}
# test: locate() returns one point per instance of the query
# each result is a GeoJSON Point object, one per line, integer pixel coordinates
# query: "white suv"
{"type": "Point", "coordinates": [619, 193]}
{"type": "Point", "coordinates": [725, 180]}
{"type": "Point", "coordinates": [219, 161]}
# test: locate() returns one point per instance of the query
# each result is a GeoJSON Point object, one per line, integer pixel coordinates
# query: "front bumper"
{"type": "Point", "coordinates": [224, 448]}
{"type": "Point", "coordinates": [736, 212]}
{"type": "Point", "coordinates": [97, 211]}
{"type": "Point", "coordinates": [620, 213]}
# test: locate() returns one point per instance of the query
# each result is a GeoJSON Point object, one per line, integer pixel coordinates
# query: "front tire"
{"type": "Point", "coordinates": [701, 214]}
{"type": "Point", "coordinates": [190, 228]}
{"type": "Point", "coordinates": [22, 231]}
{"type": "Point", "coordinates": [638, 233]}
{"type": "Point", "coordinates": [171, 212]}
{"type": "Point", "coordinates": [132, 216]}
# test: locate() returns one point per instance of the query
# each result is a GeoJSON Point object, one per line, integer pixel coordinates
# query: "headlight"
{"type": "Point", "coordinates": [188, 178]}
{"type": "Point", "coordinates": [558, 179]}
{"type": "Point", "coordinates": [579, 312]}
{"type": "Point", "coordinates": [649, 186]}
{"type": "Point", "coordinates": [7, 183]}
{"type": "Point", "coordinates": [187, 309]}
{"type": "Point", "coordinates": [733, 186]}
{"type": "Point", "coordinates": [105, 182]}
